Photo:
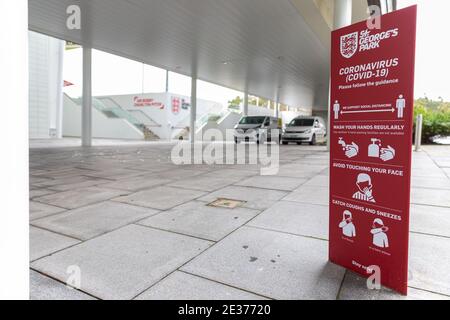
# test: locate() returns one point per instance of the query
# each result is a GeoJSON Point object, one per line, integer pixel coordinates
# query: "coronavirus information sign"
{"type": "Point", "coordinates": [372, 84]}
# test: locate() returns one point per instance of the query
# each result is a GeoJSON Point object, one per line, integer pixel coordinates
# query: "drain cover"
{"type": "Point", "coordinates": [226, 203]}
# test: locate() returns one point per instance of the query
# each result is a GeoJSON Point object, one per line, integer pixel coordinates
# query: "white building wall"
{"type": "Point", "coordinates": [102, 126]}
{"type": "Point", "coordinates": [45, 86]}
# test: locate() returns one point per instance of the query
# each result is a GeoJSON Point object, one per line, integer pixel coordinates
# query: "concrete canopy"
{"type": "Point", "coordinates": [263, 47]}
{"type": "Point", "coordinates": [259, 46]}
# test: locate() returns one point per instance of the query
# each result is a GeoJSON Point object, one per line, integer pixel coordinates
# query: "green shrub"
{"type": "Point", "coordinates": [436, 118]}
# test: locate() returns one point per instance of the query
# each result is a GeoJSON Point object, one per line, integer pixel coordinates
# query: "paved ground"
{"type": "Point", "coordinates": [137, 226]}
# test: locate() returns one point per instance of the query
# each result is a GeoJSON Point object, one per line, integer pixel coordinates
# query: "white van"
{"type": "Point", "coordinates": [305, 129]}
{"type": "Point", "coordinates": [260, 129]}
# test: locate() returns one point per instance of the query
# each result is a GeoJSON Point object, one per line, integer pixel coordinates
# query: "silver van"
{"type": "Point", "coordinates": [259, 129]}
{"type": "Point", "coordinates": [305, 129]}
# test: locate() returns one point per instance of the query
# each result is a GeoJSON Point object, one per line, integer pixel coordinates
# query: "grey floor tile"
{"type": "Point", "coordinates": [271, 264]}
{"type": "Point", "coordinates": [204, 182]}
{"type": "Point", "coordinates": [297, 218]}
{"type": "Point", "coordinates": [430, 220]}
{"type": "Point", "coordinates": [430, 182]}
{"type": "Point", "coordinates": [43, 242]}
{"type": "Point", "coordinates": [39, 192]}
{"type": "Point", "coordinates": [429, 263]}
{"type": "Point", "coordinates": [80, 197]}
{"type": "Point", "coordinates": [123, 263]}
{"type": "Point", "coordinates": [255, 198]}
{"type": "Point", "coordinates": [90, 221]}
{"type": "Point", "coordinates": [136, 183]}
{"type": "Point", "coordinates": [309, 194]}
{"type": "Point", "coordinates": [161, 197]}
{"type": "Point", "coordinates": [272, 182]}
{"type": "Point", "coordinates": [199, 220]}
{"type": "Point", "coordinates": [45, 288]}
{"type": "Point", "coordinates": [354, 287]}
{"type": "Point", "coordinates": [183, 286]}
{"type": "Point", "coordinates": [432, 197]}
{"type": "Point", "coordinates": [319, 180]}
{"type": "Point", "coordinates": [300, 170]}
{"type": "Point", "coordinates": [40, 210]}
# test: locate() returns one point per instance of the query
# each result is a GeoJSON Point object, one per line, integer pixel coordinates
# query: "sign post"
{"type": "Point", "coordinates": [372, 96]}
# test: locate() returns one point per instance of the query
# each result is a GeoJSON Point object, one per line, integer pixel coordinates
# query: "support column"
{"type": "Point", "coordinates": [342, 13]}
{"type": "Point", "coordinates": [193, 108]}
{"type": "Point", "coordinates": [167, 81]}
{"type": "Point", "coordinates": [342, 18]}
{"type": "Point", "coordinates": [245, 106]}
{"type": "Point", "coordinates": [14, 233]}
{"type": "Point", "coordinates": [277, 107]}
{"type": "Point", "coordinates": [86, 113]}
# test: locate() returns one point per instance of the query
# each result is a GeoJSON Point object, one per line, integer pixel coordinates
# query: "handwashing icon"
{"type": "Point", "coordinates": [351, 150]}
{"type": "Point", "coordinates": [376, 151]}
{"type": "Point", "coordinates": [374, 148]}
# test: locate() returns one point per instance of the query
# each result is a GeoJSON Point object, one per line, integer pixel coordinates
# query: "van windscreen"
{"type": "Point", "coordinates": [301, 123]}
{"type": "Point", "coordinates": [252, 120]}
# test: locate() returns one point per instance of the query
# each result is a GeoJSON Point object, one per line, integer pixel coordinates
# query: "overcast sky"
{"type": "Point", "coordinates": [432, 48]}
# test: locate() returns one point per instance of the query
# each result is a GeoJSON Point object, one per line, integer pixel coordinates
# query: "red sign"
{"type": "Point", "coordinates": [372, 84]}
{"type": "Point", "coordinates": [175, 105]}
{"type": "Point", "coordinates": [147, 102]}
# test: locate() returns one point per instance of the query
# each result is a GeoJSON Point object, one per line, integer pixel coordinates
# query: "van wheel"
{"type": "Point", "coordinates": [284, 142]}
{"type": "Point", "coordinates": [313, 140]}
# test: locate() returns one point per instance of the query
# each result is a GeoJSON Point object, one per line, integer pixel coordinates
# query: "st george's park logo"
{"type": "Point", "coordinates": [349, 45]}
{"type": "Point", "coordinates": [365, 40]}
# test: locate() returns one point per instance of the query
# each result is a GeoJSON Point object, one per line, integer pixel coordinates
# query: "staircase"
{"type": "Point", "coordinates": [149, 135]}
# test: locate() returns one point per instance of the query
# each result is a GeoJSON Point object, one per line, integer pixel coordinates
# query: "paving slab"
{"type": "Point", "coordinates": [300, 170]}
{"type": "Point", "coordinates": [136, 183]}
{"type": "Point", "coordinates": [432, 197]}
{"type": "Point", "coordinates": [429, 263]}
{"type": "Point", "coordinates": [91, 221]}
{"type": "Point", "coordinates": [197, 219]}
{"type": "Point", "coordinates": [43, 243]}
{"type": "Point", "coordinates": [184, 286]}
{"type": "Point", "coordinates": [272, 182]}
{"type": "Point", "coordinates": [80, 197]}
{"type": "Point", "coordinates": [39, 192]}
{"type": "Point", "coordinates": [430, 220]}
{"type": "Point", "coordinates": [271, 264]}
{"type": "Point", "coordinates": [40, 210]}
{"type": "Point", "coordinates": [354, 287]}
{"type": "Point", "coordinates": [45, 288]}
{"type": "Point", "coordinates": [309, 194]}
{"type": "Point", "coordinates": [125, 262]}
{"type": "Point", "coordinates": [297, 218]}
{"type": "Point", "coordinates": [161, 198]}
{"type": "Point", "coordinates": [319, 180]}
{"type": "Point", "coordinates": [204, 182]}
{"type": "Point", "coordinates": [256, 198]}
{"type": "Point", "coordinates": [430, 182]}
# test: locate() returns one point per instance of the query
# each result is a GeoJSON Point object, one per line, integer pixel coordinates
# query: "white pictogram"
{"type": "Point", "coordinates": [380, 238]}
{"type": "Point", "coordinates": [347, 226]}
{"type": "Point", "coordinates": [365, 188]}
{"type": "Point", "coordinates": [375, 150]}
{"type": "Point", "coordinates": [400, 104]}
{"type": "Point", "coordinates": [350, 150]}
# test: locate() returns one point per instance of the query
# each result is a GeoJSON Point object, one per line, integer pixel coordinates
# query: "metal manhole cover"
{"type": "Point", "coordinates": [226, 203]}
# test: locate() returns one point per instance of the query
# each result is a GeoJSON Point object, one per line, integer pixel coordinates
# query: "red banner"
{"type": "Point", "coordinates": [372, 98]}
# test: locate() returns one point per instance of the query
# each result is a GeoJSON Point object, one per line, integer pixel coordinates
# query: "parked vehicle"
{"type": "Point", "coordinates": [305, 129]}
{"type": "Point", "coordinates": [258, 129]}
